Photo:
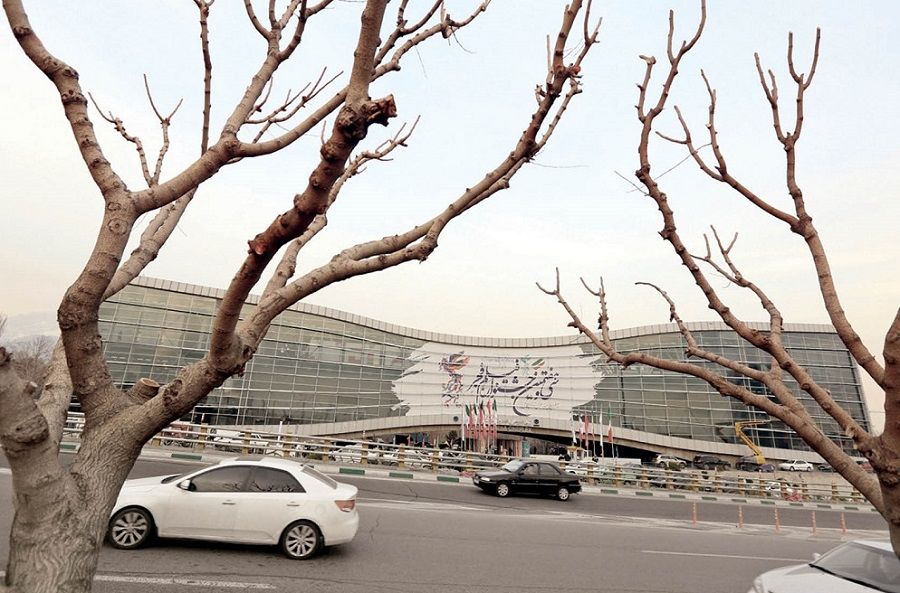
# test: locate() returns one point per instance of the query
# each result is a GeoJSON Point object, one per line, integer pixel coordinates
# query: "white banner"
{"type": "Point", "coordinates": [542, 383]}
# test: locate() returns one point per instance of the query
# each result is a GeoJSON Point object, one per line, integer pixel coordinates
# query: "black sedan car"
{"type": "Point", "coordinates": [535, 477]}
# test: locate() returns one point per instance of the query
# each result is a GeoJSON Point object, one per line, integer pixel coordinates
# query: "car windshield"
{"type": "Point", "coordinates": [875, 568]}
{"type": "Point", "coordinates": [513, 466]}
{"type": "Point", "coordinates": [311, 471]}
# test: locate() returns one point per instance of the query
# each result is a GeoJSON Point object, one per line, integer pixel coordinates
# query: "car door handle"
{"type": "Point", "coordinates": [293, 504]}
{"type": "Point", "coordinates": [228, 502]}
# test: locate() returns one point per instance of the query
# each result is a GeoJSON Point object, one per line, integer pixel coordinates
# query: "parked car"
{"type": "Point", "coordinates": [452, 459]}
{"type": "Point", "coordinates": [178, 433]}
{"type": "Point", "coordinates": [864, 463]}
{"type": "Point", "coordinates": [283, 447]}
{"type": "Point", "coordinates": [677, 479]}
{"type": "Point", "coordinates": [860, 566]}
{"type": "Point", "coordinates": [824, 467]}
{"type": "Point", "coordinates": [670, 462]}
{"type": "Point", "coordinates": [354, 454]}
{"type": "Point", "coordinates": [247, 500]}
{"type": "Point", "coordinates": [710, 462]}
{"type": "Point", "coordinates": [586, 467]}
{"type": "Point", "coordinates": [233, 440]}
{"type": "Point", "coordinates": [749, 463]}
{"type": "Point", "coordinates": [411, 458]}
{"type": "Point", "coordinates": [535, 477]}
{"type": "Point", "coordinates": [780, 488]}
{"type": "Point", "coordinates": [796, 465]}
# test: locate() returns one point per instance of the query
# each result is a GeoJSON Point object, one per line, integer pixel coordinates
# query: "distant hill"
{"type": "Point", "coordinates": [27, 325]}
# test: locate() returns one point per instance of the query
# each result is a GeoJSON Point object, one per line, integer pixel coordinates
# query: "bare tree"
{"type": "Point", "coordinates": [60, 513]}
{"type": "Point", "coordinates": [32, 355]}
{"type": "Point", "coordinates": [882, 451]}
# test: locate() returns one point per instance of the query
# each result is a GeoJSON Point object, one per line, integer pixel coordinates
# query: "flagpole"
{"type": "Point", "coordinates": [462, 432]}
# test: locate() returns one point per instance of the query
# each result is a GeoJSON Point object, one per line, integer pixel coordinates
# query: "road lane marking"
{"type": "Point", "coordinates": [725, 556]}
{"type": "Point", "coordinates": [179, 581]}
{"type": "Point", "coordinates": [412, 505]}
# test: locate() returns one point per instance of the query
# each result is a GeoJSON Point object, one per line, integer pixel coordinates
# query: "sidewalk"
{"type": "Point", "coordinates": [465, 479]}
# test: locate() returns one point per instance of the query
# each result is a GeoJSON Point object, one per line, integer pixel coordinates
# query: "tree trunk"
{"type": "Point", "coordinates": [55, 545]}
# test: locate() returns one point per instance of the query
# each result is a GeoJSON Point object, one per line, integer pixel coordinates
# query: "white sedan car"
{"type": "Point", "coordinates": [863, 566]}
{"type": "Point", "coordinates": [244, 500]}
{"type": "Point", "coordinates": [796, 465]}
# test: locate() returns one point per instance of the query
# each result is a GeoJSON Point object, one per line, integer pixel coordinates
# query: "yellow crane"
{"type": "Point", "coordinates": [739, 431]}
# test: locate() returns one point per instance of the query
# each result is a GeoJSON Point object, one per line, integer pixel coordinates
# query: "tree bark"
{"type": "Point", "coordinates": [61, 519]}
{"type": "Point", "coordinates": [886, 457]}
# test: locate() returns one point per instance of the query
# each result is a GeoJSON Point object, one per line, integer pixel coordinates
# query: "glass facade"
{"type": "Point", "coordinates": [321, 366]}
{"type": "Point", "coordinates": [651, 400]}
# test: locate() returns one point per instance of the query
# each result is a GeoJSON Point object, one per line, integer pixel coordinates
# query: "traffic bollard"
{"type": "Point", "coordinates": [777, 522]}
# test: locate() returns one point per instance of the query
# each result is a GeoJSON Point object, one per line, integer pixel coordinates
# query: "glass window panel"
{"type": "Point", "coordinates": [354, 330]}
{"type": "Point", "coordinates": [226, 479]}
{"type": "Point", "coordinates": [203, 305]}
{"type": "Point", "coordinates": [199, 322]}
{"type": "Point", "coordinates": [128, 314]}
{"type": "Point", "coordinates": [156, 297]}
{"type": "Point", "coordinates": [170, 337]}
{"type": "Point", "coordinates": [176, 319]}
{"type": "Point", "coordinates": [130, 294]}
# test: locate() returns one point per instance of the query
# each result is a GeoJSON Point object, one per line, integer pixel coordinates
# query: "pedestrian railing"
{"type": "Point", "coordinates": [201, 437]}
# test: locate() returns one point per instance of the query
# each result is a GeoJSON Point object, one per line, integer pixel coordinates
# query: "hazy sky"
{"type": "Point", "coordinates": [568, 208]}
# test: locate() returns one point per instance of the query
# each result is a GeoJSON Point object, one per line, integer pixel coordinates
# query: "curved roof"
{"type": "Point", "coordinates": [429, 336]}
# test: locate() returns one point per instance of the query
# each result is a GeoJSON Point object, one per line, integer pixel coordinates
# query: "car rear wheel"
{"type": "Point", "coordinates": [130, 529]}
{"type": "Point", "coordinates": [502, 489]}
{"type": "Point", "coordinates": [301, 540]}
{"type": "Point", "coordinates": [562, 493]}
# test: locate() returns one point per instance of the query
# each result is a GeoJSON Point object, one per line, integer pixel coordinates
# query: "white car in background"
{"type": "Point", "coordinates": [354, 454]}
{"type": "Point", "coordinates": [233, 440]}
{"type": "Point", "coordinates": [796, 465]}
{"type": "Point", "coordinates": [412, 458]}
{"type": "Point", "coordinates": [266, 500]}
{"type": "Point", "coordinates": [862, 566]}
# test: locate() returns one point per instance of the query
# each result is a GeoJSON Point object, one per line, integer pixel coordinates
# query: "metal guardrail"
{"type": "Point", "coordinates": [200, 437]}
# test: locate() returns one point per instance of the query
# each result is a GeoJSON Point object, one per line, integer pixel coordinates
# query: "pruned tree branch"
{"type": "Point", "coordinates": [788, 409]}
{"type": "Point", "coordinates": [417, 243]}
{"type": "Point", "coordinates": [350, 127]}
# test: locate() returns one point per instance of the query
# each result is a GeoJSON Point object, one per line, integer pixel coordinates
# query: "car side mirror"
{"type": "Point", "coordinates": [186, 485]}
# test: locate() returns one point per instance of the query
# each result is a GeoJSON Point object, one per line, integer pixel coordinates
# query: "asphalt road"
{"type": "Point", "coordinates": [416, 536]}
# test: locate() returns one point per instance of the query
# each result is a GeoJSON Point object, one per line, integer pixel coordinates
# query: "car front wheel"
{"type": "Point", "coordinates": [562, 493]}
{"type": "Point", "coordinates": [130, 528]}
{"type": "Point", "coordinates": [502, 489]}
{"type": "Point", "coordinates": [301, 540]}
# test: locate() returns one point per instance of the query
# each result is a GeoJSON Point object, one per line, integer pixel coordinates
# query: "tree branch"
{"type": "Point", "coordinates": [418, 243]}
{"type": "Point", "coordinates": [350, 127]}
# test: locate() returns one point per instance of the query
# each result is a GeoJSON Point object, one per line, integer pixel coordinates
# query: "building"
{"type": "Point", "coordinates": [321, 371]}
